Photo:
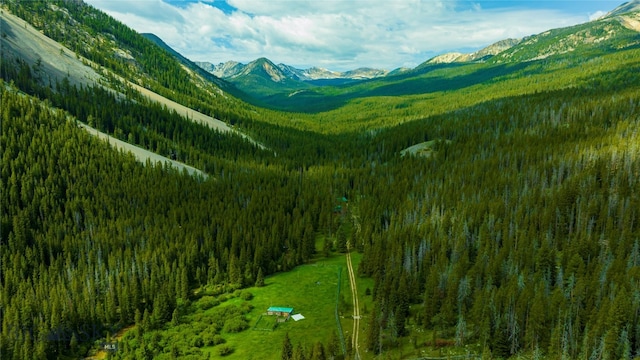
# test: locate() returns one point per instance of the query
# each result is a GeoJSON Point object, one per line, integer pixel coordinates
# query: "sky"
{"type": "Point", "coordinates": [343, 35]}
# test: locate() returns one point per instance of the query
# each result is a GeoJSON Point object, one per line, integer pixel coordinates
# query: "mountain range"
{"type": "Point", "coordinates": [263, 79]}
{"type": "Point", "coordinates": [233, 69]}
{"type": "Point", "coordinates": [283, 76]}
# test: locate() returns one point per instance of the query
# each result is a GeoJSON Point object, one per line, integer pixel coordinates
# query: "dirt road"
{"type": "Point", "coordinates": [356, 307]}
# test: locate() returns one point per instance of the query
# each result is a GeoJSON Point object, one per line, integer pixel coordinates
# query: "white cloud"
{"type": "Point", "coordinates": [336, 34]}
{"type": "Point", "coordinates": [596, 15]}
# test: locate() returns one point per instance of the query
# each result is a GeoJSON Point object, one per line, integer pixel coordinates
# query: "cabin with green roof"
{"type": "Point", "coordinates": [280, 311]}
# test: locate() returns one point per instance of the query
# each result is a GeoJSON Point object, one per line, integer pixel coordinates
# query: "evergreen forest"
{"type": "Point", "coordinates": [517, 232]}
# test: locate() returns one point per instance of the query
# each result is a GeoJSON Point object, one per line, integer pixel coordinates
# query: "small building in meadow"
{"type": "Point", "coordinates": [280, 311]}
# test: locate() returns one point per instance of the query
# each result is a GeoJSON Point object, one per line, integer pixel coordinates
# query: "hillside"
{"type": "Point", "coordinates": [53, 62]}
{"type": "Point", "coordinates": [193, 67]}
{"type": "Point", "coordinates": [470, 197]}
{"type": "Point", "coordinates": [557, 51]}
{"type": "Point", "coordinates": [616, 30]}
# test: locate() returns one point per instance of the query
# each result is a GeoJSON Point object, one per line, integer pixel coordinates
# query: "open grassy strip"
{"type": "Point", "coordinates": [365, 300]}
{"type": "Point", "coordinates": [355, 306]}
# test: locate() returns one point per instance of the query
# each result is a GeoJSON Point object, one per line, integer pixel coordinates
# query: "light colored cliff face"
{"type": "Point", "coordinates": [50, 60]}
{"type": "Point", "coordinates": [491, 50]}
{"type": "Point", "coordinates": [630, 21]}
{"type": "Point", "coordinates": [445, 58]}
{"type": "Point", "coordinates": [628, 14]}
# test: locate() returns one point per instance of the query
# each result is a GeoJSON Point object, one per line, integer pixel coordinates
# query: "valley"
{"type": "Point", "coordinates": [151, 210]}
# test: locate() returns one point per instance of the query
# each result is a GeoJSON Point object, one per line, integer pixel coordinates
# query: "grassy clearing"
{"type": "Point", "coordinates": [424, 149]}
{"type": "Point", "coordinates": [310, 289]}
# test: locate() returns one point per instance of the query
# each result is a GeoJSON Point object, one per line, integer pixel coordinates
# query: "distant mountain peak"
{"type": "Point", "coordinates": [628, 14]}
{"type": "Point", "coordinates": [626, 8]}
{"type": "Point", "coordinates": [445, 58]}
{"type": "Point", "coordinates": [223, 70]}
{"type": "Point", "coordinates": [281, 72]}
{"type": "Point", "coordinates": [482, 54]}
{"type": "Point", "coordinates": [264, 66]}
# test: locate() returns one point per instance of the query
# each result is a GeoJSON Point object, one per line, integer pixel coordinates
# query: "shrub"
{"type": "Point", "coordinates": [217, 339]}
{"type": "Point", "coordinates": [235, 325]}
{"type": "Point", "coordinates": [246, 295]}
{"type": "Point", "coordinates": [212, 340]}
{"type": "Point", "coordinates": [225, 350]}
{"type": "Point", "coordinates": [246, 307]}
{"type": "Point", "coordinates": [207, 302]}
{"type": "Point", "coordinates": [197, 342]}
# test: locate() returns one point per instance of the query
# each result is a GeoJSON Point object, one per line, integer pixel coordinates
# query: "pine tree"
{"type": "Point", "coordinates": [318, 352]}
{"type": "Point", "coordinates": [260, 278]}
{"type": "Point", "coordinates": [287, 348]}
{"type": "Point", "coordinates": [139, 325]}
{"type": "Point", "coordinates": [373, 333]}
{"type": "Point", "coordinates": [73, 344]}
{"type": "Point", "coordinates": [175, 318]}
{"type": "Point", "coordinates": [299, 353]}
{"type": "Point", "coordinates": [327, 246]}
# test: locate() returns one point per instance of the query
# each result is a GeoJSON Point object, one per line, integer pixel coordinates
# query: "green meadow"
{"type": "Point", "coordinates": [311, 290]}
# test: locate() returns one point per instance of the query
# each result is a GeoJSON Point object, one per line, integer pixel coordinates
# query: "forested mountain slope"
{"type": "Point", "coordinates": [519, 236]}
{"type": "Point", "coordinates": [43, 66]}
{"type": "Point", "coordinates": [108, 43]}
{"type": "Point", "coordinates": [522, 233]}
{"type": "Point", "coordinates": [557, 51]}
{"type": "Point", "coordinates": [90, 236]}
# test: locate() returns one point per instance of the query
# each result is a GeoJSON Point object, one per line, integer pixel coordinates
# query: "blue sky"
{"type": "Point", "coordinates": [343, 34]}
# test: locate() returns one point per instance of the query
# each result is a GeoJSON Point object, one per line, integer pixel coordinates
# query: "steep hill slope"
{"type": "Point", "coordinates": [193, 67]}
{"type": "Point", "coordinates": [127, 54]}
{"type": "Point", "coordinates": [53, 63]}
{"type": "Point", "coordinates": [615, 31]}
{"type": "Point", "coordinates": [50, 60]}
